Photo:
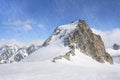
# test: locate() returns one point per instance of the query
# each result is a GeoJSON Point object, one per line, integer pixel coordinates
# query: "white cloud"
{"type": "Point", "coordinates": [40, 26]}
{"type": "Point", "coordinates": [27, 27]}
{"type": "Point", "coordinates": [19, 22]}
{"type": "Point", "coordinates": [21, 25]}
{"type": "Point", "coordinates": [109, 37]}
{"type": "Point", "coordinates": [12, 42]}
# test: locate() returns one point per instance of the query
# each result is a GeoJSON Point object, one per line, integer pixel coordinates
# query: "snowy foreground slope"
{"type": "Point", "coordinates": [35, 67]}
{"type": "Point", "coordinates": [56, 71]}
{"type": "Point", "coordinates": [81, 67]}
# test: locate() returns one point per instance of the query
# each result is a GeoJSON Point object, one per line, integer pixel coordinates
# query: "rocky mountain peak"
{"type": "Point", "coordinates": [78, 35]}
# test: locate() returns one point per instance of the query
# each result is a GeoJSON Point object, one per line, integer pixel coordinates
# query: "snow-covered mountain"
{"type": "Point", "coordinates": [70, 42]}
{"type": "Point", "coordinates": [74, 42]}
{"type": "Point", "coordinates": [77, 36]}
{"type": "Point", "coordinates": [14, 53]}
{"type": "Point", "coordinates": [64, 46]}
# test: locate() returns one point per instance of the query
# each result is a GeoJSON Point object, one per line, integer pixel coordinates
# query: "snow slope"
{"type": "Point", "coordinates": [56, 46]}
{"type": "Point", "coordinates": [35, 67]}
{"type": "Point", "coordinates": [46, 53]}
{"type": "Point", "coordinates": [38, 66]}
{"type": "Point", "coordinates": [46, 70]}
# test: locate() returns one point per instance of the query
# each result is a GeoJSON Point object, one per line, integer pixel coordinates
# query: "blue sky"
{"type": "Point", "coordinates": [27, 20]}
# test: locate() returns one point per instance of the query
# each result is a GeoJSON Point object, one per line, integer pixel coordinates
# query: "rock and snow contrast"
{"type": "Point", "coordinates": [72, 52]}
{"type": "Point", "coordinates": [78, 36]}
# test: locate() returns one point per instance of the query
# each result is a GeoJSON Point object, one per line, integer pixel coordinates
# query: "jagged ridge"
{"type": "Point", "coordinates": [14, 53]}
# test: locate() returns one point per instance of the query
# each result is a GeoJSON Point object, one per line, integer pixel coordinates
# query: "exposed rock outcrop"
{"type": "Point", "coordinates": [116, 46]}
{"type": "Point", "coordinates": [66, 56]}
{"type": "Point", "coordinates": [83, 38]}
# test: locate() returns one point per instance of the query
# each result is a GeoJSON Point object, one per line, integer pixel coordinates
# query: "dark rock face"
{"type": "Point", "coordinates": [31, 49]}
{"type": "Point", "coordinates": [116, 46]}
{"type": "Point", "coordinates": [47, 41]}
{"type": "Point", "coordinates": [18, 57]}
{"type": "Point", "coordinates": [84, 39]}
{"type": "Point", "coordinates": [90, 43]}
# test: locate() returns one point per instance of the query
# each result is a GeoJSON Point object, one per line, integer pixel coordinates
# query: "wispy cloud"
{"type": "Point", "coordinates": [19, 43]}
{"type": "Point", "coordinates": [27, 27]}
{"type": "Point", "coordinates": [41, 26]}
{"type": "Point", "coordinates": [10, 10]}
{"type": "Point", "coordinates": [21, 25]}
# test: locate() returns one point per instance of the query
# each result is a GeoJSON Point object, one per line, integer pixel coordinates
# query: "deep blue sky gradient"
{"type": "Point", "coordinates": [99, 14]}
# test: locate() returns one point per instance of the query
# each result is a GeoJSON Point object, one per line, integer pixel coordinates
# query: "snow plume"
{"type": "Point", "coordinates": [109, 37]}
